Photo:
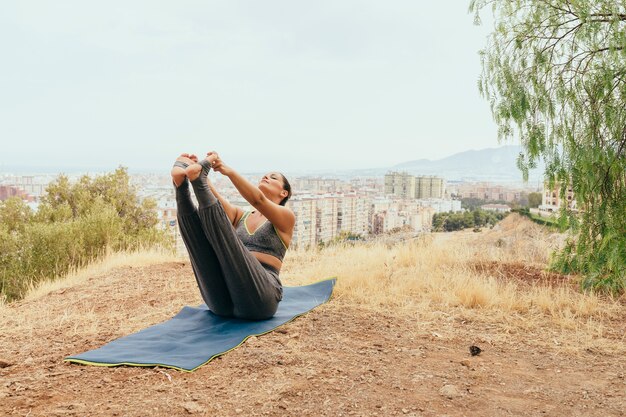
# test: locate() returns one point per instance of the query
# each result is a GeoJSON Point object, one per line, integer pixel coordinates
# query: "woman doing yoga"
{"type": "Point", "coordinates": [236, 256]}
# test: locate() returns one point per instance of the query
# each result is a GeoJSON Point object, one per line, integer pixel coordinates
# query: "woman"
{"type": "Point", "coordinates": [236, 256]}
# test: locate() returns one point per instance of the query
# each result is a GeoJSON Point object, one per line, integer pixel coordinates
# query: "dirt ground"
{"type": "Point", "coordinates": [338, 360]}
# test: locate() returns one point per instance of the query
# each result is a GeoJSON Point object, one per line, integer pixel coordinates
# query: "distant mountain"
{"type": "Point", "coordinates": [492, 164]}
{"type": "Point", "coordinates": [495, 164]}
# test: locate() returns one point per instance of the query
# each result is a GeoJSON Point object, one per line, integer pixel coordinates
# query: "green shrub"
{"type": "Point", "coordinates": [449, 222]}
{"type": "Point", "coordinates": [76, 224]}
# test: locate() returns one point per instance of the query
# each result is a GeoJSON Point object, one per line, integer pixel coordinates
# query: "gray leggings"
{"type": "Point", "coordinates": [231, 280]}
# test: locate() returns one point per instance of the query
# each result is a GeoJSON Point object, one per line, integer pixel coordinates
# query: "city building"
{"type": "Point", "coordinates": [28, 187]}
{"type": "Point", "coordinates": [430, 187]}
{"type": "Point", "coordinates": [305, 228]}
{"type": "Point", "coordinates": [323, 217]}
{"type": "Point", "coordinates": [325, 208]}
{"type": "Point", "coordinates": [8, 191]}
{"type": "Point", "coordinates": [404, 185]}
{"type": "Point", "coordinates": [400, 184]}
{"type": "Point", "coordinates": [327, 211]}
{"type": "Point", "coordinates": [390, 215]}
{"type": "Point", "coordinates": [353, 215]}
{"type": "Point", "coordinates": [489, 192]}
{"type": "Point", "coordinates": [551, 200]}
{"type": "Point", "coordinates": [440, 205]}
{"type": "Point", "coordinates": [499, 208]}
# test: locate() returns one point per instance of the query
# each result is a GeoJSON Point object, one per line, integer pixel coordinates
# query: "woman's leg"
{"type": "Point", "coordinates": [255, 292]}
{"type": "Point", "coordinates": [204, 261]}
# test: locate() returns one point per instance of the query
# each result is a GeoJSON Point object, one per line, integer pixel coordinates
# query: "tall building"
{"type": "Point", "coordinates": [305, 228]}
{"type": "Point", "coordinates": [327, 215]}
{"type": "Point", "coordinates": [400, 184]}
{"type": "Point", "coordinates": [321, 218]}
{"type": "Point", "coordinates": [403, 185]}
{"type": "Point", "coordinates": [353, 215]}
{"type": "Point", "coordinates": [430, 187]}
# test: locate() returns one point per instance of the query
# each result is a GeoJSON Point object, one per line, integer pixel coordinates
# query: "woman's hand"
{"type": "Point", "coordinates": [217, 164]}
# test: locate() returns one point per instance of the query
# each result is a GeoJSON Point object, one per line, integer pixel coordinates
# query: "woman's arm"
{"type": "Point", "coordinates": [280, 216]}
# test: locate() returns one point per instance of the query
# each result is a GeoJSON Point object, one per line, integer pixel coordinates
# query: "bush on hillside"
{"type": "Point", "coordinates": [75, 224]}
{"type": "Point", "coordinates": [449, 222]}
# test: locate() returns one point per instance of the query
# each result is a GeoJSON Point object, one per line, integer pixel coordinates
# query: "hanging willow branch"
{"type": "Point", "coordinates": [554, 73]}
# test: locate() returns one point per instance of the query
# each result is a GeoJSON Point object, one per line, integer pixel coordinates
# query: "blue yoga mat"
{"type": "Point", "coordinates": [195, 335]}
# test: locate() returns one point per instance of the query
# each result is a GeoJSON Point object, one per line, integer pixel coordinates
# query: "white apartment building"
{"type": "Point", "coordinates": [442, 205]}
{"type": "Point", "coordinates": [305, 229]}
{"type": "Point", "coordinates": [498, 208]}
{"type": "Point", "coordinates": [392, 219]}
{"type": "Point", "coordinates": [320, 185]}
{"type": "Point", "coordinates": [551, 199]}
{"type": "Point", "coordinates": [388, 215]}
{"type": "Point", "coordinates": [327, 215]}
{"type": "Point", "coordinates": [321, 218]}
{"type": "Point", "coordinates": [353, 215]}
{"type": "Point", "coordinates": [381, 204]}
{"type": "Point", "coordinates": [422, 220]}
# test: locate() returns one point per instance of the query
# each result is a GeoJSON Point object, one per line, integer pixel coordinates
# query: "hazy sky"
{"type": "Point", "coordinates": [268, 84]}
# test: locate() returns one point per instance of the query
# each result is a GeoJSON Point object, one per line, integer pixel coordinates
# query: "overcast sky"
{"type": "Point", "coordinates": [280, 85]}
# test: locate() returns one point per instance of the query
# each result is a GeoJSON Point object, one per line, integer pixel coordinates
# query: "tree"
{"type": "Point", "coordinates": [450, 222]}
{"type": "Point", "coordinates": [534, 200]}
{"type": "Point", "coordinates": [480, 218]}
{"type": "Point", "coordinates": [438, 221]}
{"type": "Point", "coordinates": [76, 223]}
{"type": "Point", "coordinates": [471, 203]}
{"type": "Point", "coordinates": [554, 72]}
{"type": "Point", "coordinates": [14, 214]}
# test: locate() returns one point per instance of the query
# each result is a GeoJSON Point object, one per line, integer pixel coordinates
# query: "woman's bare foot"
{"type": "Point", "coordinates": [193, 171]}
{"type": "Point", "coordinates": [178, 170]}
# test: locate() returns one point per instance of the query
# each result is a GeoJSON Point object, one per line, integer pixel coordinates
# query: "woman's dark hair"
{"type": "Point", "coordinates": [286, 187]}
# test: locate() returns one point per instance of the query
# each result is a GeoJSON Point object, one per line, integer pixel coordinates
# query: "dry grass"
{"type": "Point", "coordinates": [113, 260]}
{"type": "Point", "coordinates": [436, 276]}
{"type": "Point", "coordinates": [76, 312]}
{"type": "Point", "coordinates": [434, 280]}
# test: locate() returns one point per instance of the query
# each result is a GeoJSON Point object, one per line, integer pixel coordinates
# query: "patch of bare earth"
{"type": "Point", "coordinates": [337, 360]}
{"type": "Point", "coordinates": [522, 273]}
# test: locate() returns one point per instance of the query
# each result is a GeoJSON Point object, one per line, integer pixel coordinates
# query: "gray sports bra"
{"type": "Point", "coordinates": [265, 238]}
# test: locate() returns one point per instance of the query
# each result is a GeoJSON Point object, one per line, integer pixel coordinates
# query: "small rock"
{"type": "Point", "coordinates": [466, 362]}
{"type": "Point", "coordinates": [28, 361]}
{"type": "Point", "coordinates": [475, 350]}
{"type": "Point", "coordinates": [4, 364]}
{"type": "Point", "coordinates": [192, 408]}
{"type": "Point", "coordinates": [450, 392]}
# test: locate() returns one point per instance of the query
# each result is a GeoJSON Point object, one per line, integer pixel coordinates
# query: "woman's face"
{"type": "Point", "coordinates": [272, 184]}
